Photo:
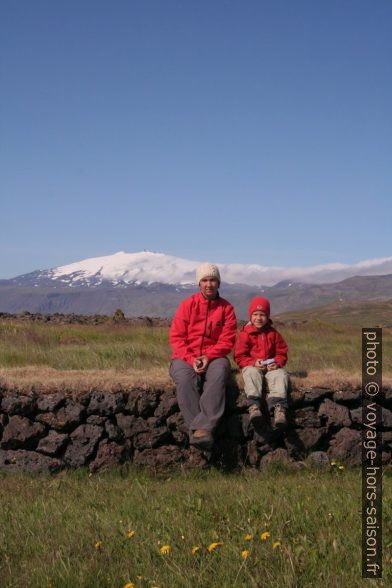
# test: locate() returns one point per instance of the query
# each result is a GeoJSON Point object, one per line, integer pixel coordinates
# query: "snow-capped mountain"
{"type": "Point", "coordinates": [146, 267]}
{"type": "Point", "coordinates": [153, 284]}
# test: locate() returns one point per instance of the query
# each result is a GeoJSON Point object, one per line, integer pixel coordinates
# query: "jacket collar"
{"type": "Point", "coordinates": [249, 328]}
{"type": "Point", "coordinates": [204, 300]}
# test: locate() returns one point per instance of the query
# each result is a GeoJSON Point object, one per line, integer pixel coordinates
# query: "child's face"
{"type": "Point", "coordinates": [258, 319]}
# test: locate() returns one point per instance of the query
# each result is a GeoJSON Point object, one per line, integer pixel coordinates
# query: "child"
{"type": "Point", "coordinates": [261, 352]}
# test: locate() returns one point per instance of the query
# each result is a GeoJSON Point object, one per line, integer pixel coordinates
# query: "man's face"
{"type": "Point", "coordinates": [209, 287]}
{"type": "Point", "coordinates": [259, 319]}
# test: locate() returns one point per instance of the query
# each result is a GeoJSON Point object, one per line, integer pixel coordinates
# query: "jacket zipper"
{"type": "Point", "coordinates": [205, 329]}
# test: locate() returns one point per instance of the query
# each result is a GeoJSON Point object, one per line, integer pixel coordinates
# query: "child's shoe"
{"type": "Point", "coordinates": [280, 416]}
{"type": "Point", "coordinates": [254, 412]}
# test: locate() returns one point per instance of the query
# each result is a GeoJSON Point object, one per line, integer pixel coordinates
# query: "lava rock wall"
{"type": "Point", "coordinates": [50, 432]}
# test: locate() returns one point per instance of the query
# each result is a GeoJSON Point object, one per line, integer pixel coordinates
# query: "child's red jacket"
{"type": "Point", "coordinates": [253, 344]}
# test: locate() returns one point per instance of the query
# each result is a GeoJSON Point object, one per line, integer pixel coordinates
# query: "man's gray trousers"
{"type": "Point", "coordinates": [201, 398]}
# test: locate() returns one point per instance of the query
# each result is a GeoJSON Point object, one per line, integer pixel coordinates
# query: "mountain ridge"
{"type": "Point", "coordinates": [149, 267]}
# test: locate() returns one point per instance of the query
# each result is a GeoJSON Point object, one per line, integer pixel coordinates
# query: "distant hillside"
{"type": "Point", "coordinates": [162, 299]}
{"type": "Point", "coordinates": [364, 314]}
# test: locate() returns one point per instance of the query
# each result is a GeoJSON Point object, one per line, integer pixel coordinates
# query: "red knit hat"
{"type": "Point", "coordinates": [259, 303]}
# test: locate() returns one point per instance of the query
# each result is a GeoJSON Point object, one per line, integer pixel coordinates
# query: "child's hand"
{"type": "Point", "coordinates": [272, 366]}
{"type": "Point", "coordinates": [258, 363]}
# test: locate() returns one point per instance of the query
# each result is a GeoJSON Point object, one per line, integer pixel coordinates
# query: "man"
{"type": "Point", "coordinates": [202, 334]}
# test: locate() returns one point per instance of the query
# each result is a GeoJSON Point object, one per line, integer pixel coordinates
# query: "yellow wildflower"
{"type": "Point", "coordinates": [195, 549]}
{"type": "Point", "coordinates": [213, 546]}
{"type": "Point", "coordinates": [129, 585]}
{"type": "Point", "coordinates": [130, 533]}
{"type": "Point", "coordinates": [248, 537]}
{"type": "Point", "coordinates": [264, 536]}
{"type": "Point", "coordinates": [341, 467]}
{"type": "Point", "coordinates": [98, 545]}
{"type": "Point", "coordinates": [333, 462]}
{"type": "Point", "coordinates": [276, 544]}
{"type": "Point", "coordinates": [244, 553]}
{"type": "Point", "coordinates": [165, 549]}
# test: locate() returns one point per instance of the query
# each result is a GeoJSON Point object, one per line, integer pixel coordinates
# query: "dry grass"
{"type": "Point", "coordinates": [47, 380]}
{"type": "Point", "coordinates": [79, 358]}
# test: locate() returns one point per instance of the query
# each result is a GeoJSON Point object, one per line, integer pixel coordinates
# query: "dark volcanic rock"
{"type": "Point", "coordinates": [252, 454]}
{"type": "Point", "coordinates": [83, 443]}
{"type": "Point", "coordinates": [306, 417]}
{"type": "Point", "coordinates": [388, 396]}
{"type": "Point", "coordinates": [105, 403]}
{"type": "Point", "coordinates": [53, 443]}
{"type": "Point", "coordinates": [279, 456]}
{"type": "Point", "coordinates": [300, 441]}
{"type": "Point", "coordinates": [153, 438]}
{"type": "Point", "coordinates": [108, 455]}
{"type": "Point", "coordinates": [160, 459]}
{"type": "Point", "coordinates": [167, 406]}
{"type": "Point", "coordinates": [348, 397]}
{"type": "Point", "coordinates": [194, 458]}
{"type": "Point", "coordinates": [385, 422]}
{"type": "Point", "coordinates": [50, 402]}
{"type": "Point", "coordinates": [3, 422]}
{"type": "Point", "coordinates": [65, 418]}
{"type": "Point", "coordinates": [28, 461]}
{"type": "Point", "coordinates": [334, 415]}
{"type": "Point", "coordinates": [297, 398]}
{"type": "Point", "coordinates": [114, 432]}
{"type": "Point", "coordinates": [316, 395]}
{"type": "Point", "coordinates": [147, 403]}
{"type": "Point", "coordinates": [346, 444]}
{"type": "Point", "coordinates": [356, 416]}
{"type": "Point", "coordinates": [176, 422]}
{"type": "Point", "coordinates": [131, 425]}
{"type": "Point", "coordinates": [95, 419]}
{"type": "Point", "coordinates": [21, 433]}
{"type": "Point", "coordinates": [319, 460]}
{"type": "Point", "coordinates": [18, 404]}
{"type": "Point", "coordinates": [142, 402]}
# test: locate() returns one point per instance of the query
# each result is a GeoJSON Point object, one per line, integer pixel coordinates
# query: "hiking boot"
{"type": "Point", "coordinates": [254, 412]}
{"type": "Point", "coordinates": [280, 416]}
{"type": "Point", "coordinates": [202, 439]}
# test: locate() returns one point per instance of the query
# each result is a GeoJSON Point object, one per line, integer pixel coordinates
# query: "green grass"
{"type": "Point", "coordinates": [368, 313]}
{"type": "Point", "coordinates": [76, 347]}
{"type": "Point", "coordinates": [313, 346]}
{"type": "Point", "coordinates": [49, 528]}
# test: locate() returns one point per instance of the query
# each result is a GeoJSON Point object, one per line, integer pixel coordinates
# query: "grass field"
{"type": "Point", "coordinates": [108, 530]}
{"type": "Point", "coordinates": [112, 355]}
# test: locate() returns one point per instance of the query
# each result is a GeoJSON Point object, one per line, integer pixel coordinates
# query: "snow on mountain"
{"type": "Point", "coordinates": [148, 267]}
{"type": "Point", "coordinates": [142, 267]}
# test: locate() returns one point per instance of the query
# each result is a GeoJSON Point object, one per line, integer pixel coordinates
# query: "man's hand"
{"type": "Point", "coordinates": [272, 366]}
{"type": "Point", "coordinates": [200, 364]}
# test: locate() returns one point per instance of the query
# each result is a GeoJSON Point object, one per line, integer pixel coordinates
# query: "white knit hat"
{"type": "Point", "coordinates": [207, 270]}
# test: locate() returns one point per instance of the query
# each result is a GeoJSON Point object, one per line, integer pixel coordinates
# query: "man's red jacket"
{"type": "Point", "coordinates": [203, 327]}
{"type": "Point", "coordinates": [265, 343]}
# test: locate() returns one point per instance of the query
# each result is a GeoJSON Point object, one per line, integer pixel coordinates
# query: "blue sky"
{"type": "Point", "coordinates": [235, 131]}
